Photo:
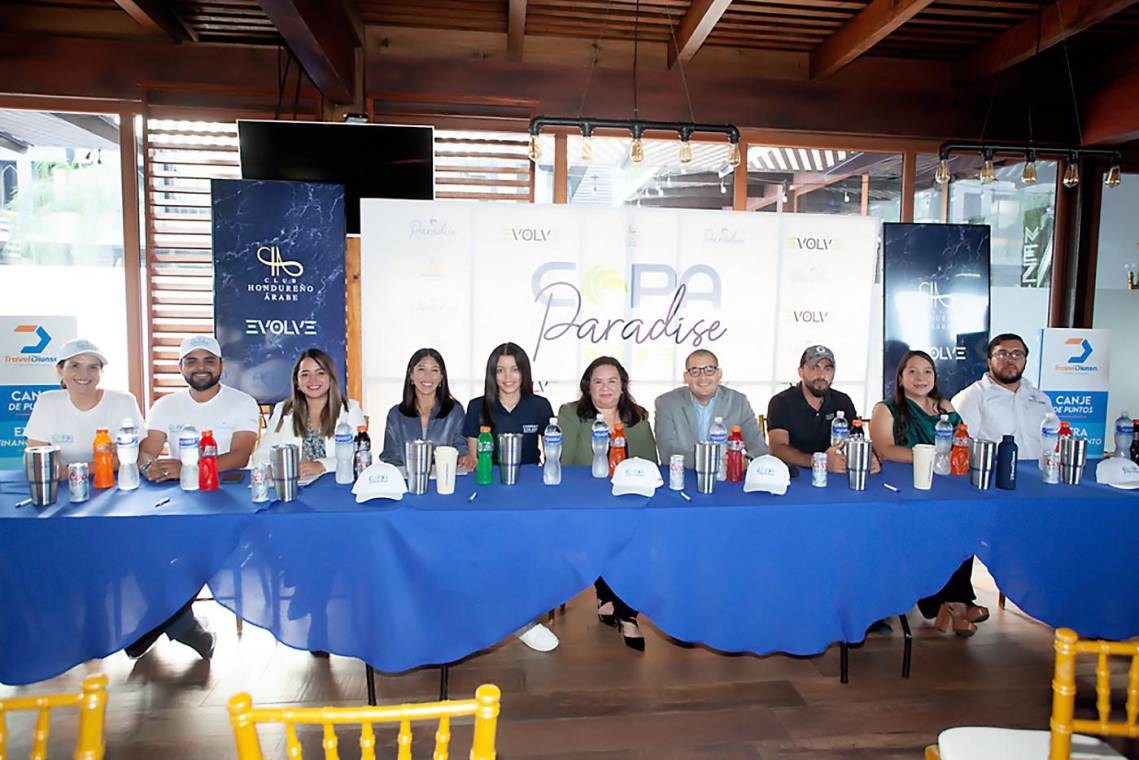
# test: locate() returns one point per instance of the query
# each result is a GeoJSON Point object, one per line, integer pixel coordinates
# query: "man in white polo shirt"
{"type": "Point", "coordinates": [1003, 402]}
{"type": "Point", "coordinates": [233, 417]}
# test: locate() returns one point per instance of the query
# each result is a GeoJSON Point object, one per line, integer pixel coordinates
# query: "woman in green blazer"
{"type": "Point", "coordinates": [605, 391]}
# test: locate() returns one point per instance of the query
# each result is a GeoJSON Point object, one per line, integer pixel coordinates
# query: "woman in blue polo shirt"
{"type": "Point", "coordinates": [508, 405]}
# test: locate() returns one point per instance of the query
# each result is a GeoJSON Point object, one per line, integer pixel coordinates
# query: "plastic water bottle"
{"type": "Point", "coordinates": [1049, 437]}
{"type": "Point", "coordinates": [942, 443]}
{"type": "Point", "coordinates": [840, 430]}
{"type": "Point", "coordinates": [188, 453]}
{"type": "Point", "coordinates": [600, 435]}
{"type": "Point", "coordinates": [552, 447]}
{"type": "Point", "coordinates": [345, 453]}
{"type": "Point", "coordinates": [1123, 436]}
{"type": "Point", "coordinates": [718, 434]}
{"type": "Point", "coordinates": [126, 444]}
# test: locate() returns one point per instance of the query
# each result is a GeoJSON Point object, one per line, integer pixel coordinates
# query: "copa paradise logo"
{"type": "Point", "coordinates": [598, 281]}
{"type": "Point", "coordinates": [1078, 362]}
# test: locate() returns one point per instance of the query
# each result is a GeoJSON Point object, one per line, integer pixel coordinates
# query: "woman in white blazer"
{"type": "Point", "coordinates": [310, 417]}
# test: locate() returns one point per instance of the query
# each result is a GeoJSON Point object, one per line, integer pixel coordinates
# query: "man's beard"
{"type": "Point", "coordinates": [205, 386]}
{"type": "Point", "coordinates": [817, 393]}
{"type": "Point", "coordinates": [1009, 375]}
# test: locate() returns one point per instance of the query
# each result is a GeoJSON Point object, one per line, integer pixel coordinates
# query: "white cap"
{"type": "Point", "coordinates": [636, 476]}
{"type": "Point", "coordinates": [767, 473]}
{"type": "Point", "coordinates": [194, 342]}
{"type": "Point", "coordinates": [1118, 472]}
{"type": "Point", "coordinates": [73, 348]}
{"type": "Point", "coordinates": [380, 481]}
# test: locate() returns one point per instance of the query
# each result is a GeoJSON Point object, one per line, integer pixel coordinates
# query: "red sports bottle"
{"type": "Point", "coordinates": [208, 462]}
{"type": "Point", "coordinates": [959, 454]}
{"type": "Point", "coordinates": [616, 447]}
{"type": "Point", "coordinates": [735, 455]}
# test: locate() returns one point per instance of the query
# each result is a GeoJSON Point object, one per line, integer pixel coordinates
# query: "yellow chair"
{"type": "Point", "coordinates": [484, 707]}
{"type": "Point", "coordinates": [92, 703]}
{"type": "Point", "coordinates": [1062, 742]}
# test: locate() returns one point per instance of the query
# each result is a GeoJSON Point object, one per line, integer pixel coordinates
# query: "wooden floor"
{"type": "Point", "coordinates": [593, 697]}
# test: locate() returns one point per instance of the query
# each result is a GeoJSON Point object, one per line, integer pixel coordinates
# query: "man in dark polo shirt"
{"type": "Point", "coordinates": [799, 418]}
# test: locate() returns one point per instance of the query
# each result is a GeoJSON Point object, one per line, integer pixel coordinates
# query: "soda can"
{"type": "Point", "coordinates": [363, 460]}
{"type": "Point", "coordinates": [676, 472]}
{"type": "Point", "coordinates": [819, 469]}
{"type": "Point", "coordinates": [259, 483]}
{"type": "Point", "coordinates": [78, 482]}
{"type": "Point", "coordinates": [1052, 468]}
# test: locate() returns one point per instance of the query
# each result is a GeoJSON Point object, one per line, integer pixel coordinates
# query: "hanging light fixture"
{"type": "Point", "coordinates": [637, 149]}
{"type": "Point", "coordinates": [987, 173]}
{"type": "Point", "coordinates": [734, 156]}
{"type": "Point", "coordinates": [1113, 177]}
{"type": "Point", "coordinates": [1072, 173]}
{"type": "Point", "coordinates": [941, 177]}
{"type": "Point", "coordinates": [1028, 173]}
{"type": "Point", "coordinates": [587, 145]}
{"type": "Point", "coordinates": [535, 149]}
{"type": "Point", "coordinates": [685, 146]}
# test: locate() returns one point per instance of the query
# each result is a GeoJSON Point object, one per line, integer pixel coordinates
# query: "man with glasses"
{"type": "Point", "coordinates": [683, 415]}
{"type": "Point", "coordinates": [1002, 402]}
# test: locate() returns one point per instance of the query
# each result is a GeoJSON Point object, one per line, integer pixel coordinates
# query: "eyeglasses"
{"type": "Point", "coordinates": [707, 370]}
{"type": "Point", "coordinates": [1016, 354]}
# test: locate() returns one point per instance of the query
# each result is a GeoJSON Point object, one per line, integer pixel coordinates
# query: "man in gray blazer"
{"type": "Point", "coordinates": [683, 415]}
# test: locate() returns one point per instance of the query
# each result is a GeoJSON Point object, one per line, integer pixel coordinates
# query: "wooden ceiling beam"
{"type": "Point", "coordinates": [324, 38]}
{"type": "Point", "coordinates": [697, 24]}
{"type": "Point", "coordinates": [1111, 113]}
{"type": "Point", "coordinates": [1054, 24]}
{"type": "Point", "coordinates": [516, 29]}
{"type": "Point", "coordinates": [158, 18]}
{"type": "Point", "coordinates": [871, 25]}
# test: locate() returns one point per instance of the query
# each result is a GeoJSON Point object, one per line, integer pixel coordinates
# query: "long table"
{"type": "Point", "coordinates": [431, 579]}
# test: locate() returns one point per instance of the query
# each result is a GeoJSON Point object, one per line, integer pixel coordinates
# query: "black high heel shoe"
{"type": "Point", "coordinates": [633, 642]}
{"type": "Point", "coordinates": [610, 619]}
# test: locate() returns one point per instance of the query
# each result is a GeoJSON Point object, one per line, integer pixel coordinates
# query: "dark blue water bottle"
{"type": "Point", "coordinates": [1006, 463]}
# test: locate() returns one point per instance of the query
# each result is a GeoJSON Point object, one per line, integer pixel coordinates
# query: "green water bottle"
{"type": "Point", "coordinates": [484, 469]}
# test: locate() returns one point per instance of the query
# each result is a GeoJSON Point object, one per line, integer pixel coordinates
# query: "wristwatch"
{"type": "Point", "coordinates": [146, 467]}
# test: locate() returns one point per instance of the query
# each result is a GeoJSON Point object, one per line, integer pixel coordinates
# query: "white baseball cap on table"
{"type": "Point", "coordinates": [1118, 472]}
{"type": "Point", "coordinates": [767, 473]}
{"type": "Point", "coordinates": [194, 342]}
{"type": "Point", "coordinates": [78, 347]}
{"type": "Point", "coordinates": [380, 481]}
{"type": "Point", "coordinates": [636, 476]}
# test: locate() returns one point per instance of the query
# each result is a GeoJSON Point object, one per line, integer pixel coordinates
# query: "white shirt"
{"type": "Point", "coordinates": [991, 411]}
{"type": "Point", "coordinates": [56, 420]}
{"type": "Point", "coordinates": [230, 411]}
{"type": "Point", "coordinates": [354, 416]}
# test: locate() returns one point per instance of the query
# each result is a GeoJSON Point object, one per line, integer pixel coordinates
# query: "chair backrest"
{"type": "Point", "coordinates": [484, 707]}
{"type": "Point", "coordinates": [1067, 645]}
{"type": "Point", "coordinates": [92, 704]}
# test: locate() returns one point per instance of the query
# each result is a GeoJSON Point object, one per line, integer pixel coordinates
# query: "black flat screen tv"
{"type": "Point", "coordinates": [370, 160]}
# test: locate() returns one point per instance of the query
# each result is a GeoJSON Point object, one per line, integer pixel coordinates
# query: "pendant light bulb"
{"type": "Point", "coordinates": [587, 148]}
{"type": "Point", "coordinates": [637, 151]}
{"type": "Point", "coordinates": [535, 149]}
{"type": "Point", "coordinates": [734, 156]}
{"type": "Point", "coordinates": [1072, 174]}
{"type": "Point", "coordinates": [987, 172]}
{"type": "Point", "coordinates": [1113, 177]}
{"type": "Point", "coordinates": [1028, 174]}
{"type": "Point", "coordinates": [685, 151]}
{"type": "Point", "coordinates": [941, 176]}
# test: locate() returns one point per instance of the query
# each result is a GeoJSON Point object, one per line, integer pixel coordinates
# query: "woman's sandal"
{"type": "Point", "coordinates": [635, 641]}
{"type": "Point", "coordinates": [954, 613]}
{"type": "Point", "coordinates": [606, 618]}
{"type": "Point", "coordinates": [975, 613]}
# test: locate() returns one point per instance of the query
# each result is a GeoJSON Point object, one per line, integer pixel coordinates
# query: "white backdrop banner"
{"type": "Point", "coordinates": [570, 283]}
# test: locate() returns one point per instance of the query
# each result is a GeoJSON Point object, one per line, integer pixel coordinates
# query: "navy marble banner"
{"type": "Point", "coordinates": [935, 281]}
{"type": "Point", "coordinates": [278, 279]}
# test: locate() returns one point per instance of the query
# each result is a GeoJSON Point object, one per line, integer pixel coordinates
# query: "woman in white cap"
{"type": "Point", "coordinates": [69, 417]}
{"type": "Point", "coordinates": [308, 418]}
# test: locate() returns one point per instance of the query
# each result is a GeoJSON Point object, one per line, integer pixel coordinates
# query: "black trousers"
{"type": "Point", "coordinates": [959, 588]}
{"type": "Point", "coordinates": [605, 594]}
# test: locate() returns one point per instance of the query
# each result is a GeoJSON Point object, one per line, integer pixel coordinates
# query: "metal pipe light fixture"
{"type": "Point", "coordinates": [987, 172]}
{"type": "Point", "coordinates": [1028, 174]}
{"type": "Point", "coordinates": [1072, 173]}
{"type": "Point", "coordinates": [1071, 178]}
{"type": "Point", "coordinates": [637, 128]}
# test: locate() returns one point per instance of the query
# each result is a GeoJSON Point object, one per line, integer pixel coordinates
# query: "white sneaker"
{"type": "Point", "coordinates": [538, 637]}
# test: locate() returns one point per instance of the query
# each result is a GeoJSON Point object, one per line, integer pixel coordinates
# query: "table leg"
{"type": "Point", "coordinates": [370, 677]}
{"type": "Point", "coordinates": [843, 674]}
{"type": "Point", "coordinates": [443, 672]}
{"type": "Point", "coordinates": [908, 648]}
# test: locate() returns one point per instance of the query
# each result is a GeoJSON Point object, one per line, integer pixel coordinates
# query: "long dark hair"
{"type": "Point", "coordinates": [490, 387]}
{"type": "Point", "coordinates": [442, 391]}
{"type": "Point", "coordinates": [901, 409]}
{"type": "Point", "coordinates": [297, 405]}
{"type": "Point", "coordinates": [628, 409]}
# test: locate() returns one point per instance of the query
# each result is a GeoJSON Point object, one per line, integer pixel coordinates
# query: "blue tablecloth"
{"type": "Point", "coordinates": [432, 579]}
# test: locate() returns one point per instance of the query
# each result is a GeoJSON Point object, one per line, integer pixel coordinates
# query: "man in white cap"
{"type": "Point", "coordinates": [233, 417]}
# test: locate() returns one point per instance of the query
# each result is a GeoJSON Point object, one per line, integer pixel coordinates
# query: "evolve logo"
{"type": "Point", "coordinates": [723, 236]}
{"type": "Point", "coordinates": [280, 327]}
{"type": "Point", "coordinates": [42, 335]}
{"type": "Point", "coordinates": [808, 316]}
{"type": "Point", "coordinates": [1078, 362]}
{"type": "Point", "coordinates": [277, 264]}
{"type": "Point", "coordinates": [805, 243]}
{"type": "Point", "coordinates": [528, 234]}
{"type": "Point", "coordinates": [432, 228]}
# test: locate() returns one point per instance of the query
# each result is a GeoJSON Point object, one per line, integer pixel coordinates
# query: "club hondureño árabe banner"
{"type": "Point", "coordinates": [278, 279]}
